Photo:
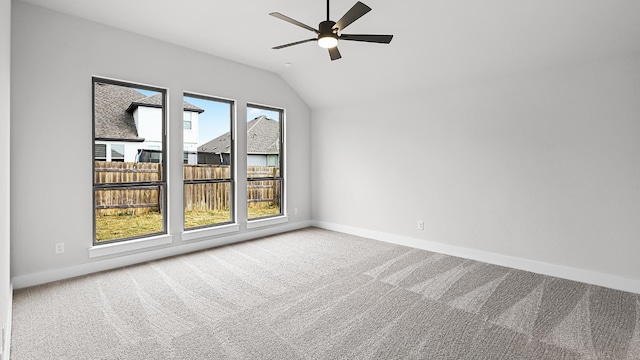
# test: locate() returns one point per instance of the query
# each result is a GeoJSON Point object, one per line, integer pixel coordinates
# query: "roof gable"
{"type": "Point", "coordinates": [114, 107]}
{"type": "Point", "coordinates": [112, 121]}
{"type": "Point", "coordinates": [263, 137]}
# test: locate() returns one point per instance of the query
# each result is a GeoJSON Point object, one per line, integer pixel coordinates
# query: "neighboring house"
{"type": "Point", "coordinates": [263, 145]}
{"type": "Point", "coordinates": [128, 125]}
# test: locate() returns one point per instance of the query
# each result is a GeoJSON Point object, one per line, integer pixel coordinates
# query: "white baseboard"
{"type": "Point", "coordinates": [6, 354]}
{"type": "Point", "coordinates": [560, 271]}
{"type": "Point", "coordinates": [126, 260]}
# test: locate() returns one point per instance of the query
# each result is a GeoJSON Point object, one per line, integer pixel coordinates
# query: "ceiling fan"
{"type": "Point", "coordinates": [330, 32]}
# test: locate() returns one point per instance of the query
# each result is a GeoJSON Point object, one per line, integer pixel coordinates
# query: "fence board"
{"type": "Point", "coordinates": [197, 197]}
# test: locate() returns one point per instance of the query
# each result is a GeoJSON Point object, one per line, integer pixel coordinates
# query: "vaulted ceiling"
{"type": "Point", "coordinates": [436, 42]}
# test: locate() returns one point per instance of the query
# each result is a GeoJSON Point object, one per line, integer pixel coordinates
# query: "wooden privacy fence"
{"type": "Point", "coordinates": [197, 196]}
{"type": "Point", "coordinates": [132, 199]}
{"type": "Point", "coordinates": [207, 196]}
{"type": "Point", "coordinates": [264, 193]}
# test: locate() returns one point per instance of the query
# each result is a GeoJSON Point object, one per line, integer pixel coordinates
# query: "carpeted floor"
{"type": "Point", "coordinates": [317, 294]}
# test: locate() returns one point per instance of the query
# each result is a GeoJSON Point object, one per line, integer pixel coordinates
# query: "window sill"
{"type": "Point", "coordinates": [125, 246]}
{"type": "Point", "coordinates": [197, 234]}
{"type": "Point", "coordinates": [253, 224]}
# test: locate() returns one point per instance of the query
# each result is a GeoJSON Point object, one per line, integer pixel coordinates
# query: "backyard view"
{"type": "Point", "coordinates": [207, 173]}
{"type": "Point", "coordinates": [129, 157]}
{"type": "Point", "coordinates": [264, 161]}
{"type": "Point", "coordinates": [129, 178]}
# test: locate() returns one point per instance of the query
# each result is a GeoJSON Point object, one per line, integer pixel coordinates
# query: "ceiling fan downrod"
{"type": "Point", "coordinates": [327, 10]}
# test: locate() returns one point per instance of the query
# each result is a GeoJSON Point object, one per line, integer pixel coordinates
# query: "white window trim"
{"type": "Point", "coordinates": [201, 234]}
{"type": "Point", "coordinates": [129, 245]}
{"type": "Point", "coordinates": [258, 223]}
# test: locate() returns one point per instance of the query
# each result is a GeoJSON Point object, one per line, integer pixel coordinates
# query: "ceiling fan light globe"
{"type": "Point", "coordinates": [327, 41]}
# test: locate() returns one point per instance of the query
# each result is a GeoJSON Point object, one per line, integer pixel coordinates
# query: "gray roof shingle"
{"type": "Point", "coordinates": [114, 106]}
{"type": "Point", "coordinates": [263, 137]}
{"type": "Point", "coordinates": [112, 121]}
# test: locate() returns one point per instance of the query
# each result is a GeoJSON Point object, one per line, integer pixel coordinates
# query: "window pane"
{"type": "Point", "coordinates": [207, 204]}
{"type": "Point", "coordinates": [131, 120]}
{"type": "Point", "coordinates": [128, 212]}
{"type": "Point", "coordinates": [263, 136]}
{"type": "Point", "coordinates": [129, 137]}
{"type": "Point", "coordinates": [263, 198]}
{"type": "Point", "coordinates": [208, 145]}
{"type": "Point", "coordinates": [264, 161]}
{"type": "Point", "coordinates": [210, 136]}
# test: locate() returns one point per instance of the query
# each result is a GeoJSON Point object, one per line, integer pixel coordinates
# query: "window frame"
{"type": "Point", "coordinates": [232, 166]}
{"type": "Point", "coordinates": [162, 184]}
{"type": "Point", "coordinates": [251, 222]}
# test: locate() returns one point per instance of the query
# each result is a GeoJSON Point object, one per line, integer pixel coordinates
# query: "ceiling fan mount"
{"type": "Point", "coordinates": [329, 33]}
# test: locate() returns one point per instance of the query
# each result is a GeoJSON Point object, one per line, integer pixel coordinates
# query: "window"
{"type": "Point", "coordinates": [129, 187]}
{"type": "Point", "coordinates": [100, 152]}
{"type": "Point", "coordinates": [187, 120]}
{"type": "Point", "coordinates": [265, 182]}
{"type": "Point", "coordinates": [117, 152]}
{"type": "Point", "coordinates": [208, 162]}
{"type": "Point", "coordinates": [108, 152]}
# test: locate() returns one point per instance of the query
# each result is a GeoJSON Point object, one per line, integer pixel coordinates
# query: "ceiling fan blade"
{"type": "Point", "coordinates": [380, 39]}
{"type": "Point", "coordinates": [334, 53]}
{"type": "Point", "coordinates": [352, 15]}
{"type": "Point", "coordinates": [292, 21]}
{"type": "Point", "coordinates": [293, 43]}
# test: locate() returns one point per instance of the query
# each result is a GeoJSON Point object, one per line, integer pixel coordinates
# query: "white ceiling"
{"type": "Point", "coordinates": [436, 42]}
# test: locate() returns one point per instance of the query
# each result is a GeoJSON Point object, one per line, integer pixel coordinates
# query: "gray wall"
{"type": "Point", "coordinates": [5, 69]}
{"type": "Point", "coordinates": [540, 166]}
{"type": "Point", "coordinates": [54, 57]}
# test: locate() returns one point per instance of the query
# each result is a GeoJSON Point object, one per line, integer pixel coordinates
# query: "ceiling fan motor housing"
{"type": "Point", "coordinates": [328, 36]}
{"type": "Point", "coordinates": [326, 29]}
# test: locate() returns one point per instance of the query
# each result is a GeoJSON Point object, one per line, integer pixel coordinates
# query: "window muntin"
{"type": "Point", "coordinates": [208, 162]}
{"type": "Point", "coordinates": [129, 188]}
{"type": "Point", "coordinates": [265, 162]}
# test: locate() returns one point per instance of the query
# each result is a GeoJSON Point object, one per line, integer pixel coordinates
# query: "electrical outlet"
{"type": "Point", "coordinates": [59, 248]}
{"type": "Point", "coordinates": [295, 211]}
{"type": "Point", "coordinates": [420, 225]}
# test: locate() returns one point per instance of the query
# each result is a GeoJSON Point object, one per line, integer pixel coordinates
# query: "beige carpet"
{"type": "Point", "coordinates": [317, 294]}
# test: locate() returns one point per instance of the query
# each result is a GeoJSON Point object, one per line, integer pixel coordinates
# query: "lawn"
{"type": "Point", "coordinates": [256, 212]}
{"type": "Point", "coordinates": [197, 218]}
{"type": "Point", "coordinates": [111, 227]}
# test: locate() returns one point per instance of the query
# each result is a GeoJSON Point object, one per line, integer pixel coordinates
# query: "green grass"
{"type": "Point", "coordinates": [111, 227]}
{"type": "Point", "coordinates": [126, 225]}
{"type": "Point", "coordinates": [263, 211]}
{"type": "Point", "coordinates": [202, 218]}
